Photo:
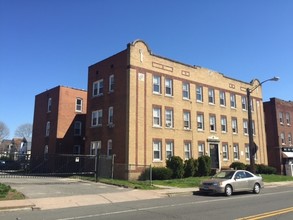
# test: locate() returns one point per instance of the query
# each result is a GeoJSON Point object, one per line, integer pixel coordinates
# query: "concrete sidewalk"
{"type": "Point", "coordinates": [104, 198]}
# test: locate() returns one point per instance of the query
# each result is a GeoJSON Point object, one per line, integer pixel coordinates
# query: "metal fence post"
{"type": "Point", "coordinates": [151, 175]}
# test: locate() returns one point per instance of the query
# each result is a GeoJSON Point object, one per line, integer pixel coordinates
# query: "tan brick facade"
{"type": "Point", "coordinates": [139, 137]}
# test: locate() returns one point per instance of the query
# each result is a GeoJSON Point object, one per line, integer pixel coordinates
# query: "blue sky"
{"type": "Point", "coordinates": [44, 44]}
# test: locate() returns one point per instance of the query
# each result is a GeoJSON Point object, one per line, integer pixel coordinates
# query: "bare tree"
{"type": "Point", "coordinates": [24, 130]}
{"type": "Point", "coordinates": [4, 131]}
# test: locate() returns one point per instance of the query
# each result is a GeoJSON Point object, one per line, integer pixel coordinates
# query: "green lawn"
{"type": "Point", "coordinates": [181, 183]}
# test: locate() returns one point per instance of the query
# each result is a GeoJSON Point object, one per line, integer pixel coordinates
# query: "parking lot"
{"type": "Point", "coordinates": [44, 187]}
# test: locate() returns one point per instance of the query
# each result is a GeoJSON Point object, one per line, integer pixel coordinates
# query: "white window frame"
{"type": "Point", "coordinates": [186, 120]}
{"type": "Point", "coordinates": [109, 147]}
{"type": "Point", "coordinates": [236, 151]}
{"type": "Point", "coordinates": [157, 117]}
{"type": "Point", "coordinates": [281, 118]}
{"type": "Point", "coordinates": [111, 83]}
{"type": "Point", "coordinates": [282, 136]}
{"type": "Point", "coordinates": [94, 147]}
{"type": "Point", "coordinates": [199, 93]}
{"type": "Point", "coordinates": [288, 118]}
{"type": "Point", "coordinates": [245, 127]}
{"type": "Point", "coordinates": [185, 90]}
{"type": "Point", "coordinates": [244, 103]}
{"type": "Point", "coordinates": [211, 96]}
{"type": "Point", "coordinates": [212, 123]}
{"type": "Point", "coordinates": [201, 149]}
{"type": "Point", "coordinates": [156, 84]}
{"type": "Point", "coordinates": [234, 125]}
{"type": "Point", "coordinates": [247, 153]}
{"type": "Point", "coordinates": [233, 100]}
{"type": "Point", "coordinates": [187, 150]}
{"type": "Point", "coordinates": [200, 121]}
{"type": "Point", "coordinates": [48, 126]}
{"type": "Point", "coordinates": [225, 151]}
{"type": "Point", "coordinates": [94, 121]}
{"type": "Point", "coordinates": [224, 124]}
{"type": "Point", "coordinates": [169, 118]}
{"type": "Point", "coordinates": [110, 115]}
{"type": "Point", "coordinates": [79, 105]}
{"type": "Point", "coordinates": [168, 87]}
{"type": "Point", "coordinates": [290, 139]}
{"type": "Point", "coordinates": [157, 150]}
{"type": "Point", "coordinates": [49, 108]}
{"type": "Point", "coordinates": [222, 98]}
{"type": "Point", "coordinates": [98, 88]}
{"type": "Point", "coordinates": [169, 149]}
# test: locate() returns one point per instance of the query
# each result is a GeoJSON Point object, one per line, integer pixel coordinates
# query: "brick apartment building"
{"type": "Point", "coordinates": [145, 108]}
{"type": "Point", "coordinates": [279, 130]}
{"type": "Point", "coordinates": [59, 122]}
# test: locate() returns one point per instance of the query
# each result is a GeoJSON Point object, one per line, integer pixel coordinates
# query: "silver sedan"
{"type": "Point", "coordinates": [229, 181]}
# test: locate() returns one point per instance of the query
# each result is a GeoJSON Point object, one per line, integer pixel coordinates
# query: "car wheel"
{"type": "Point", "coordinates": [256, 188]}
{"type": "Point", "coordinates": [228, 190]}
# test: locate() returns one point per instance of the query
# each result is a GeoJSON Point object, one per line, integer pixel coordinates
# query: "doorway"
{"type": "Point", "coordinates": [214, 154]}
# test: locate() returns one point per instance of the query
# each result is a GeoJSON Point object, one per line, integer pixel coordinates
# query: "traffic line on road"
{"type": "Point", "coordinates": [267, 214]}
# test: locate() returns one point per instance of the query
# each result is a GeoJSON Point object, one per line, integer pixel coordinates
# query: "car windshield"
{"type": "Point", "coordinates": [224, 175]}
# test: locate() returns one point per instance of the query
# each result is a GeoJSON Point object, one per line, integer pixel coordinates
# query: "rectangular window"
{"type": "Point", "coordinates": [111, 83]}
{"type": "Point", "coordinates": [78, 105]}
{"type": "Point", "coordinates": [49, 105]}
{"type": "Point", "coordinates": [185, 91]}
{"type": "Point", "coordinates": [234, 126]}
{"type": "Point", "coordinates": [76, 149]}
{"type": "Point", "coordinates": [225, 150]}
{"type": "Point", "coordinates": [222, 98]}
{"type": "Point", "coordinates": [186, 119]}
{"type": "Point", "coordinates": [211, 96]}
{"type": "Point", "coordinates": [244, 102]}
{"type": "Point", "coordinates": [157, 150]}
{"type": "Point", "coordinates": [48, 125]}
{"type": "Point", "coordinates": [253, 128]}
{"type": "Point", "coordinates": [187, 150]}
{"type": "Point", "coordinates": [283, 138]}
{"type": "Point", "coordinates": [288, 120]}
{"type": "Point", "coordinates": [157, 84]}
{"type": "Point", "coordinates": [200, 121]}
{"type": "Point", "coordinates": [213, 123]}
{"type": "Point", "coordinates": [245, 126]}
{"type": "Point", "coordinates": [109, 148]}
{"type": "Point", "coordinates": [97, 117]}
{"type": "Point", "coordinates": [168, 87]}
{"type": "Point", "coordinates": [169, 117]}
{"type": "Point", "coordinates": [201, 149]}
{"type": "Point", "coordinates": [233, 100]}
{"type": "Point", "coordinates": [235, 151]}
{"type": "Point", "coordinates": [110, 115]}
{"type": "Point", "coordinates": [223, 124]}
{"type": "Point", "coordinates": [157, 117]}
{"type": "Point", "coordinates": [98, 87]}
{"type": "Point", "coordinates": [199, 93]}
{"type": "Point", "coordinates": [289, 139]}
{"type": "Point", "coordinates": [77, 128]}
{"type": "Point", "coordinates": [169, 149]}
{"type": "Point", "coordinates": [281, 119]}
{"type": "Point", "coordinates": [247, 154]}
{"type": "Point", "coordinates": [95, 147]}
{"type": "Point", "coordinates": [251, 105]}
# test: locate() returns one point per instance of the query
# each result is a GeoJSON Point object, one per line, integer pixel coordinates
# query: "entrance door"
{"type": "Point", "coordinates": [214, 154]}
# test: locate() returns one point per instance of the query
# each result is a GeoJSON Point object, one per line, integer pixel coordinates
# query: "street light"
{"type": "Point", "coordinates": [252, 146]}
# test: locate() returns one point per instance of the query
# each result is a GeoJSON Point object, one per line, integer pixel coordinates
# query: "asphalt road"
{"type": "Point", "coordinates": [272, 203]}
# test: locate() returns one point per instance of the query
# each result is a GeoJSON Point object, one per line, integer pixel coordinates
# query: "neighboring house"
{"type": "Point", "coordinates": [10, 148]}
{"type": "Point", "coordinates": [145, 108]}
{"type": "Point", "coordinates": [279, 131]}
{"type": "Point", "coordinates": [59, 123]}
